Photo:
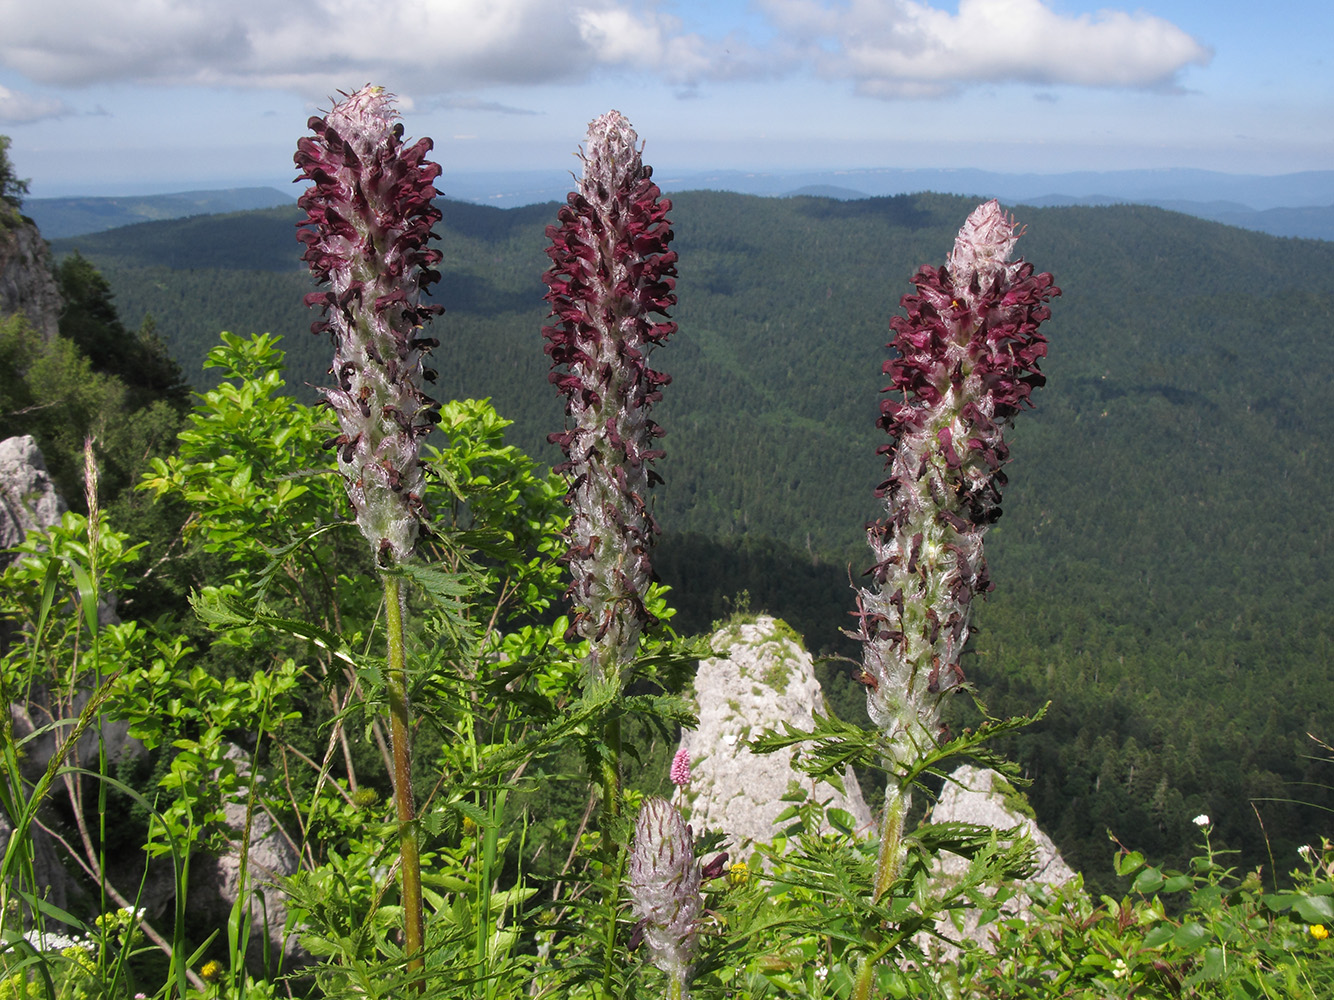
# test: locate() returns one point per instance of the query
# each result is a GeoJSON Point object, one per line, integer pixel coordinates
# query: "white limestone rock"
{"type": "Point", "coordinates": [766, 679]}
{"type": "Point", "coordinates": [28, 497]}
{"type": "Point", "coordinates": [215, 880]}
{"type": "Point", "coordinates": [980, 795]}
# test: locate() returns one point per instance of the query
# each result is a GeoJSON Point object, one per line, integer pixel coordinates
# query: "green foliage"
{"type": "Point", "coordinates": [1205, 932]}
{"type": "Point", "coordinates": [139, 360]}
{"type": "Point", "coordinates": [1162, 596]}
{"type": "Point", "coordinates": [50, 390]}
{"type": "Point", "coordinates": [252, 468]}
{"type": "Point", "coordinates": [12, 189]}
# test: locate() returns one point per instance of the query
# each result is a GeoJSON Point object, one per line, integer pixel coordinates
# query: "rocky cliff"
{"type": "Point", "coordinates": [26, 283]}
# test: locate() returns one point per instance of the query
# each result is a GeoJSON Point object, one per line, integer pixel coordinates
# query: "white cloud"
{"type": "Point", "coordinates": [906, 48]}
{"type": "Point", "coordinates": [17, 108]}
{"type": "Point", "coordinates": [423, 48]}
{"type": "Point", "coordinates": [315, 47]}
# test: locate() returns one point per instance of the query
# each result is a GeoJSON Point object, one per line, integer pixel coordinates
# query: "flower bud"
{"type": "Point", "coordinates": [664, 886]}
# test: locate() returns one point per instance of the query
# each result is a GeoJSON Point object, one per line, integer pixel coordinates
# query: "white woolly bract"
{"type": "Point", "coordinates": [664, 886]}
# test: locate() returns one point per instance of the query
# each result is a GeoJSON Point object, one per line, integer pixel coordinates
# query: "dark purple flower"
{"type": "Point", "coordinates": [369, 218]}
{"type": "Point", "coordinates": [967, 361]}
{"type": "Point", "coordinates": [611, 282]}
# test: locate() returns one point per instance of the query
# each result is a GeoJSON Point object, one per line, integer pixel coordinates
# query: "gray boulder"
{"type": "Point", "coordinates": [28, 497]}
{"type": "Point", "coordinates": [215, 880]}
{"type": "Point", "coordinates": [765, 679]}
{"type": "Point", "coordinates": [980, 795]}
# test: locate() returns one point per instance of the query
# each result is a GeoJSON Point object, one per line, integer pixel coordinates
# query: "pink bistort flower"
{"type": "Point", "coordinates": [681, 768]}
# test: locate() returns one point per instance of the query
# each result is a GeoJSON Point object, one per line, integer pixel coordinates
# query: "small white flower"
{"type": "Point", "coordinates": [1305, 852]}
{"type": "Point", "coordinates": [821, 973]}
{"type": "Point", "coordinates": [1201, 820]}
{"type": "Point", "coordinates": [1119, 969]}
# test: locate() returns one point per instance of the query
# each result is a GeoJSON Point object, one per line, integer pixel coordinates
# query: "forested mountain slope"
{"type": "Point", "coordinates": [1162, 568]}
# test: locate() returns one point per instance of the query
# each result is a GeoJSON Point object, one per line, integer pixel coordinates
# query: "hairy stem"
{"type": "Point", "coordinates": [611, 811]}
{"type": "Point", "coordinates": [889, 862]}
{"type": "Point", "coordinates": [400, 724]}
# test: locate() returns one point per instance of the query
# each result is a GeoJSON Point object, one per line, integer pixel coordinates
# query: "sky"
{"type": "Point", "coordinates": [139, 96]}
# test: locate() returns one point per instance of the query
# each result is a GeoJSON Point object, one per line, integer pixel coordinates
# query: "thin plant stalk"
{"type": "Point", "coordinates": [400, 725]}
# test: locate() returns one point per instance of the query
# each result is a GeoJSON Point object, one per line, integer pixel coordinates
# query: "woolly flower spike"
{"type": "Point", "coordinates": [966, 361]}
{"type": "Point", "coordinates": [369, 217]}
{"type": "Point", "coordinates": [664, 888]}
{"type": "Point", "coordinates": [611, 282]}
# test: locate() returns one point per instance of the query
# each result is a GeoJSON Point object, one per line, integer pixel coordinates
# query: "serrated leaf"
{"type": "Point", "coordinates": [1159, 936]}
{"type": "Point", "coordinates": [842, 821]}
{"type": "Point", "coordinates": [1214, 965]}
{"type": "Point", "coordinates": [220, 611]}
{"type": "Point", "coordinates": [1130, 861]}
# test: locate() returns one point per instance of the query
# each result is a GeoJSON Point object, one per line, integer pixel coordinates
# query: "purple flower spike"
{"type": "Point", "coordinates": [369, 218]}
{"type": "Point", "coordinates": [664, 888]}
{"type": "Point", "coordinates": [611, 282]}
{"type": "Point", "coordinates": [967, 361]}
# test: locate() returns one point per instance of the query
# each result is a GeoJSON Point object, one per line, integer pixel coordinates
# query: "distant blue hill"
{"type": "Point", "coordinates": [1300, 204]}
{"type": "Point", "coordinates": [60, 217]}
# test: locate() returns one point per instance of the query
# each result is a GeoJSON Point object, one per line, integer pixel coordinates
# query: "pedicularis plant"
{"type": "Point", "coordinates": [438, 892]}
{"type": "Point", "coordinates": [611, 282]}
{"type": "Point", "coordinates": [370, 209]}
{"type": "Point", "coordinates": [966, 361]}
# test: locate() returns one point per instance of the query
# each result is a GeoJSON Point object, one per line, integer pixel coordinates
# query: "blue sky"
{"type": "Point", "coordinates": [157, 95]}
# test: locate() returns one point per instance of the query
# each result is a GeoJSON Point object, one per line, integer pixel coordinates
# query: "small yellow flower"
{"type": "Point", "coordinates": [211, 972]}
{"type": "Point", "coordinates": [738, 874]}
{"type": "Point", "coordinates": [1318, 931]}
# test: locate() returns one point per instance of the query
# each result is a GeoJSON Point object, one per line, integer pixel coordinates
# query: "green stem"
{"type": "Point", "coordinates": [890, 860]}
{"type": "Point", "coordinates": [611, 775]}
{"type": "Point", "coordinates": [889, 863]}
{"type": "Point", "coordinates": [400, 726]}
{"type": "Point", "coordinates": [861, 990]}
{"type": "Point", "coordinates": [612, 872]}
